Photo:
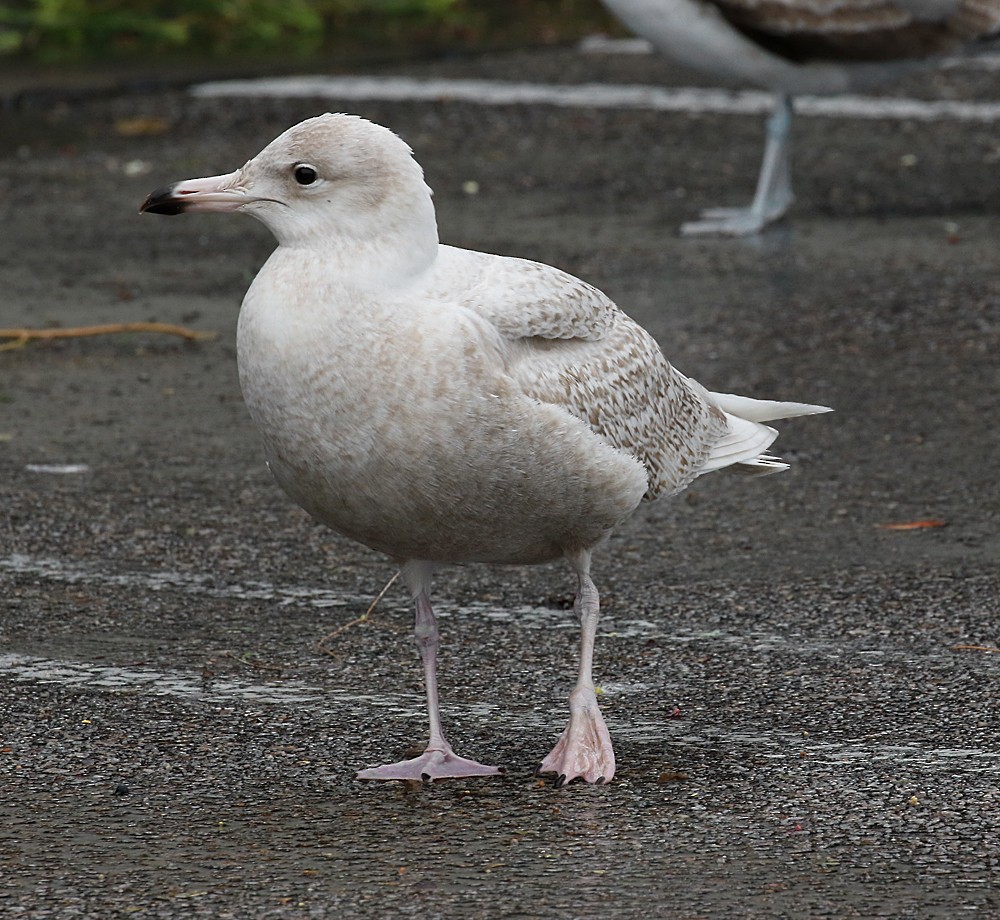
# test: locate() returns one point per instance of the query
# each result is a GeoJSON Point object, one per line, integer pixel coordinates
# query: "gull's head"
{"type": "Point", "coordinates": [328, 181]}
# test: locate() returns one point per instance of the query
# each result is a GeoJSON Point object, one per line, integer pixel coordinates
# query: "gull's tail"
{"type": "Point", "coordinates": [744, 445]}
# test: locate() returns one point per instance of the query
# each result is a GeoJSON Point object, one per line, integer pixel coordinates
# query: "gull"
{"type": "Point", "coordinates": [446, 406]}
{"type": "Point", "coordinates": [791, 47]}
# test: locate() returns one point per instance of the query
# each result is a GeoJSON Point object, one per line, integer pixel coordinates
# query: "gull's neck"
{"type": "Point", "coordinates": [384, 248]}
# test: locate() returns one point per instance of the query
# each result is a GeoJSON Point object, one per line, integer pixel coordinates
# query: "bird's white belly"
{"type": "Point", "coordinates": [405, 437]}
{"type": "Point", "coordinates": [694, 33]}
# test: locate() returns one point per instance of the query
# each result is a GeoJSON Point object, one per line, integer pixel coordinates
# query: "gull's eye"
{"type": "Point", "coordinates": [305, 174]}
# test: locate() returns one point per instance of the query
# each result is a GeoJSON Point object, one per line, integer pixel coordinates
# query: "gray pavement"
{"type": "Point", "coordinates": [804, 704]}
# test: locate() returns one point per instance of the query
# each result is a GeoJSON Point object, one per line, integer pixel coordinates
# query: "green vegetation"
{"type": "Point", "coordinates": [73, 29]}
{"type": "Point", "coordinates": [67, 30]}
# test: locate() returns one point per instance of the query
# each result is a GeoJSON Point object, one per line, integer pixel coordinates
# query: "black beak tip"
{"type": "Point", "coordinates": [162, 201]}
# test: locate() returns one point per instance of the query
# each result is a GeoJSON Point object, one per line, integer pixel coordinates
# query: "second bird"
{"type": "Point", "coordinates": [792, 47]}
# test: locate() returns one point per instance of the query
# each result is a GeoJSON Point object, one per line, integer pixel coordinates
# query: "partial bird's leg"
{"type": "Point", "coordinates": [584, 749]}
{"type": "Point", "coordinates": [774, 185]}
{"type": "Point", "coordinates": [438, 760]}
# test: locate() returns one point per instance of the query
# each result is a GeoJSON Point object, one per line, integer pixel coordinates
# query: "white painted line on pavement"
{"type": "Point", "coordinates": [188, 582]}
{"type": "Point", "coordinates": [101, 678]}
{"type": "Point", "coordinates": [772, 745]}
{"type": "Point", "coordinates": [205, 585]}
{"type": "Point", "coordinates": [520, 616]}
{"type": "Point", "coordinates": [694, 100]}
{"type": "Point", "coordinates": [32, 669]}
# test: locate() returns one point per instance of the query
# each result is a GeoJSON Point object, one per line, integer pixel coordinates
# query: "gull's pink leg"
{"type": "Point", "coordinates": [438, 760]}
{"type": "Point", "coordinates": [584, 750]}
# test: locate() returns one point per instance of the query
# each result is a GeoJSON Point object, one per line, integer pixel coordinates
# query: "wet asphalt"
{"type": "Point", "coordinates": [805, 704]}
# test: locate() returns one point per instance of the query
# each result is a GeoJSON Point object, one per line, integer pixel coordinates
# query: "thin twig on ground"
{"type": "Point", "coordinates": [322, 644]}
{"type": "Point", "coordinates": [21, 337]}
{"type": "Point", "coordinates": [256, 665]}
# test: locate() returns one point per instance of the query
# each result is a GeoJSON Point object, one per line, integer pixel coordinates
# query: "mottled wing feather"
{"type": "Point", "coordinates": [861, 30]}
{"type": "Point", "coordinates": [627, 391]}
{"type": "Point", "coordinates": [526, 299]}
{"type": "Point", "coordinates": [572, 347]}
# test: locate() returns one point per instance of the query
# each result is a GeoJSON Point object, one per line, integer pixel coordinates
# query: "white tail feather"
{"type": "Point", "coordinates": [745, 443]}
{"type": "Point", "coordinates": [763, 410]}
{"type": "Point", "coordinates": [763, 465]}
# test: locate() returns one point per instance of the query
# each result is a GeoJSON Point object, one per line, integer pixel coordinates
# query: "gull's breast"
{"type": "Point", "coordinates": [401, 429]}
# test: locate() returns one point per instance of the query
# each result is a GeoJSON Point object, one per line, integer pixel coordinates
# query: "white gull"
{"type": "Point", "coordinates": [791, 47]}
{"type": "Point", "coordinates": [441, 405]}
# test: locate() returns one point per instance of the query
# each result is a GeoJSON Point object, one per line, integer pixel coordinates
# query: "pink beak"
{"type": "Point", "coordinates": [216, 193]}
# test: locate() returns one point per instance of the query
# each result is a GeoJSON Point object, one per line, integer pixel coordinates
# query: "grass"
{"type": "Point", "coordinates": [60, 31]}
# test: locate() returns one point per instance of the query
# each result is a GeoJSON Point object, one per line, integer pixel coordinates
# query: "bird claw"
{"type": "Point", "coordinates": [561, 780]}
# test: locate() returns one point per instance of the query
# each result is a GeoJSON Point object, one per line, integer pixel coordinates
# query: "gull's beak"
{"type": "Point", "coordinates": [216, 193]}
